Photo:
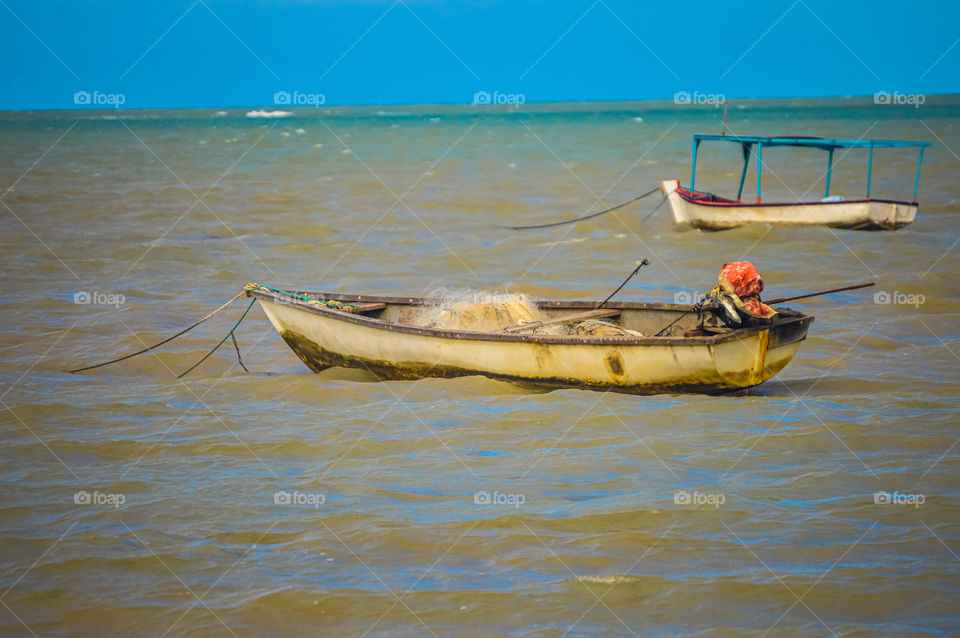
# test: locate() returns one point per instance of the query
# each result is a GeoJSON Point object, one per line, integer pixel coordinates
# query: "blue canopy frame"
{"type": "Point", "coordinates": [826, 144]}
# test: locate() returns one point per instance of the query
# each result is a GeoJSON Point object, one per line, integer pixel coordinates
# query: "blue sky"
{"type": "Point", "coordinates": [183, 53]}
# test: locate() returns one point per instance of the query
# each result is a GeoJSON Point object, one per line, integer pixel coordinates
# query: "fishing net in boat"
{"type": "Point", "coordinates": [478, 311]}
{"type": "Point", "coordinates": [590, 328]}
{"type": "Point", "coordinates": [487, 312]}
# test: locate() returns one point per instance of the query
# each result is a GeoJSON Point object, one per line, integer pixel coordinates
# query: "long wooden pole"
{"type": "Point", "coordinates": [597, 312]}
{"type": "Point", "coordinates": [817, 294]}
{"type": "Point", "coordinates": [684, 313]}
{"type": "Point", "coordinates": [640, 264]}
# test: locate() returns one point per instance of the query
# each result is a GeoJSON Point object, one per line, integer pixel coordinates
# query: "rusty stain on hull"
{"type": "Point", "coordinates": [614, 364]}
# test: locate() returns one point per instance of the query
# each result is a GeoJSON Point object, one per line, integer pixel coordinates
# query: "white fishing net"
{"type": "Point", "coordinates": [488, 312]}
{"type": "Point", "coordinates": [476, 311]}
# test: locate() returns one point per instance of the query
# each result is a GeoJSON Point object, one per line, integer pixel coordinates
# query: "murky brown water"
{"type": "Point", "coordinates": [584, 534]}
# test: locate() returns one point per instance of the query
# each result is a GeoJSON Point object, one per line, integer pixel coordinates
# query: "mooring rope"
{"type": "Point", "coordinates": [236, 346]}
{"type": "Point", "coordinates": [655, 209]}
{"type": "Point", "coordinates": [592, 215]}
{"type": "Point", "coordinates": [167, 340]}
{"type": "Point", "coordinates": [337, 305]}
{"type": "Point", "coordinates": [225, 337]}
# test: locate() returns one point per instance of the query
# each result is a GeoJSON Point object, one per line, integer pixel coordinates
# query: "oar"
{"type": "Point", "coordinates": [694, 308]}
{"type": "Point", "coordinates": [817, 294]}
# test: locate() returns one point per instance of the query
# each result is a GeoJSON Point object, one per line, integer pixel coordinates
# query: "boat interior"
{"type": "Point", "coordinates": [579, 318]}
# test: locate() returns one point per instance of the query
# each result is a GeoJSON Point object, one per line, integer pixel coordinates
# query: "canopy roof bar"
{"type": "Point", "coordinates": [693, 162]}
{"type": "Point", "coordinates": [759, 164]}
{"type": "Point", "coordinates": [743, 173]}
{"type": "Point", "coordinates": [817, 142]}
{"type": "Point", "coordinates": [916, 182]}
{"type": "Point", "coordinates": [829, 172]}
{"type": "Point", "coordinates": [823, 143]}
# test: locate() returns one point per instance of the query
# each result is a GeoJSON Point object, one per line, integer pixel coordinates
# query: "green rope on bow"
{"type": "Point", "coordinates": [329, 303]}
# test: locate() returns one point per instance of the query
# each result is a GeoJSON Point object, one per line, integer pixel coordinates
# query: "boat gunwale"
{"type": "Point", "coordinates": [685, 195]}
{"type": "Point", "coordinates": [469, 335]}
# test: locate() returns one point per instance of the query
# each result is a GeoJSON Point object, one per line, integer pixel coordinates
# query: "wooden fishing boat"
{"type": "Point", "coordinates": [711, 212]}
{"type": "Point", "coordinates": [379, 335]}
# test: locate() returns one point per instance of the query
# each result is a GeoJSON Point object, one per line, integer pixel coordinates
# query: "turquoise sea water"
{"type": "Point", "coordinates": [159, 216]}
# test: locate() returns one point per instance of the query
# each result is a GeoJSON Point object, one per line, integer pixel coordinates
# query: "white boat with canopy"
{"type": "Point", "coordinates": [710, 212]}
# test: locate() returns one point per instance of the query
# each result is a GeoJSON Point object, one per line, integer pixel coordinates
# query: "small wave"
{"type": "Point", "coordinates": [615, 579]}
{"type": "Point", "coordinates": [264, 113]}
{"type": "Point", "coordinates": [575, 240]}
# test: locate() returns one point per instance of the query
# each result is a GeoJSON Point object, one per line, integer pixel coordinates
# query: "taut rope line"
{"type": "Point", "coordinates": [169, 339]}
{"type": "Point", "coordinates": [225, 337]}
{"type": "Point", "coordinates": [592, 215]}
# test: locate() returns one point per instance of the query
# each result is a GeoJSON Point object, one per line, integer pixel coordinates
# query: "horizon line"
{"type": "Point", "coordinates": [513, 107]}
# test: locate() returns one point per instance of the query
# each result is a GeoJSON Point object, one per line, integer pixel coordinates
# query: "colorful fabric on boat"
{"type": "Point", "coordinates": [737, 295]}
